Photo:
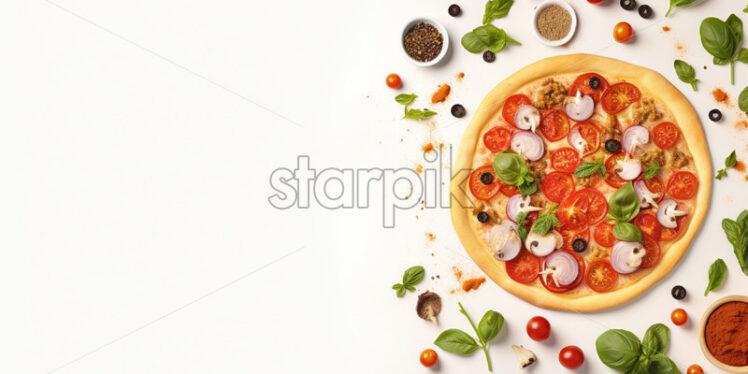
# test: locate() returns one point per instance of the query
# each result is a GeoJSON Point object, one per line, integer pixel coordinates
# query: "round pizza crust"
{"type": "Point", "coordinates": [661, 90]}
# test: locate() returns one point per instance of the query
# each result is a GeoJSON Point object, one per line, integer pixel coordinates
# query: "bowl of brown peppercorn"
{"type": "Point", "coordinates": [425, 41]}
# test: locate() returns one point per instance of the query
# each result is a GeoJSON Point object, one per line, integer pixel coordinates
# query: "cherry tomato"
{"type": "Point", "coordinates": [682, 185]}
{"type": "Point", "coordinates": [656, 186]}
{"type": "Point", "coordinates": [524, 268]}
{"type": "Point", "coordinates": [591, 135]}
{"type": "Point", "coordinates": [623, 32]}
{"type": "Point", "coordinates": [604, 234]}
{"type": "Point", "coordinates": [565, 159]}
{"type": "Point", "coordinates": [582, 83]}
{"type": "Point", "coordinates": [551, 285]}
{"type": "Point", "coordinates": [679, 317]}
{"type": "Point", "coordinates": [652, 257]}
{"type": "Point", "coordinates": [600, 276]}
{"type": "Point", "coordinates": [582, 208]}
{"type": "Point", "coordinates": [557, 185]}
{"type": "Point", "coordinates": [429, 358]}
{"type": "Point", "coordinates": [393, 81]}
{"type": "Point", "coordinates": [695, 369]}
{"type": "Point", "coordinates": [511, 105]}
{"type": "Point", "coordinates": [571, 357]}
{"type": "Point", "coordinates": [611, 177]}
{"type": "Point", "coordinates": [538, 328]}
{"type": "Point", "coordinates": [554, 124]}
{"type": "Point", "coordinates": [665, 135]}
{"type": "Point", "coordinates": [619, 96]}
{"type": "Point", "coordinates": [498, 139]}
{"type": "Point", "coordinates": [647, 223]}
{"type": "Point", "coordinates": [570, 235]}
{"type": "Point", "coordinates": [480, 190]}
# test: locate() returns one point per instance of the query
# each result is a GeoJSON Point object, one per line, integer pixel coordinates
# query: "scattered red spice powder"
{"type": "Point", "coordinates": [419, 168]}
{"type": "Point", "coordinates": [458, 272]}
{"type": "Point", "coordinates": [740, 166]}
{"type": "Point", "coordinates": [430, 236]}
{"type": "Point", "coordinates": [726, 333]}
{"type": "Point", "coordinates": [665, 28]}
{"type": "Point", "coordinates": [472, 284]}
{"type": "Point", "coordinates": [441, 94]}
{"type": "Point", "coordinates": [741, 125]}
{"type": "Point", "coordinates": [427, 147]}
{"type": "Point", "coordinates": [720, 96]}
{"type": "Point", "coordinates": [460, 75]}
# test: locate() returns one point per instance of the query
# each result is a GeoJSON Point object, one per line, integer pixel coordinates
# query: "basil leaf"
{"type": "Point", "coordinates": [400, 289]}
{"type": "Point", "coordinates": [746, 9]}
{"type": "Point", "coordinates": [662, 364]}
{"type": "Point", "coordinates": [528, 188]}
{"type": "Point", "coordinates": [731, 160]}
{"type": "Point", "coordinates": [717, 38]}
{"type": "Point", "coordinates": [456, 341]}
{"type": "Point", "coordinates": [418, 114]}
{"type": "Point", "coordinates": [737, 235]}
{"type": "Point", "coordinates": [588, 168]}
{"type": "Point", "coordinates": [742, 55]}
{"type": "Point", "coordinates": [472, 43]}
{"type": "Point", "coordinates": [736, 25]}
{"type": "Point", "coordinates": [406, 99]}
{"type": "Point", "coordinates": [521, 228]}
{"type": "Point", "coordinates": [675, 3]}
{"type": "Point", "coordinates": [627, 232]}
{"type": "Point", "coordinates": [655, 339]}
{"type": "Point", "coordinates": [641, 366]}
{"type": "Point", "coordinates": [490, 326]}
{"type": "Point", "coordinates": [546, 221]}
{"type": "Point", "coordinates": [510, 167]}
{"type": "Point", "coordinates": [721, 173]}
{"type": "Point", "coordinates": [486, 37]}
{"type": "Point", "coordinates": [686, 73]}
{"type": "Point", "coordinates": [413, 275]}
{"type": "Point", "coordinates": [651, 171]}
{"type": "Point", "coordinates": [743, 100]}
{"type": "Point", "coordinates": [496, 9]}
{"type": "Point", "coordinates": [717, 274]}
{"type": "Point", "coordinates": [624, 204]}
{"type": "Point", "coordinates": [618, 349]}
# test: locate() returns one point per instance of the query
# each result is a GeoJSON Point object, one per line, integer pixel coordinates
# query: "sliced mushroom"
{"type": "Point", "coordinates": [429, 305]}
{"type": "Point", "coordinates": [526, 356]}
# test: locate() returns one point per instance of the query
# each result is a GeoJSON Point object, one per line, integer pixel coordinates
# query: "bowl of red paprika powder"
{"type": "Point", "coordinates": [724, 334]}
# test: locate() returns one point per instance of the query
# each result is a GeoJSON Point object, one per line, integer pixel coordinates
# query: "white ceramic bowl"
{"type": "Point", "coordinates": [572, 30]}
{"type": "Point", "coordinates": [439, 27]}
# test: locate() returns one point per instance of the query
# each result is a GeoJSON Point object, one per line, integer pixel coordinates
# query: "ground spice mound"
{"type": "Point", "coordinates": [740, 166]}
{"type": "Point", "coordinates": [554, 22]}
{"type": "Point", "coordinates": [665, 28]}
{"type": "Point", "coordinates": [472, 284]}
{"type": "Point", "coordinates": [441, 94]}
{"type": "Point", "coordinates": [720, 96]}
{"type": "Point", "coordinates": [726, 333]}
{"type": "Point", "coordinates": [423, 42]}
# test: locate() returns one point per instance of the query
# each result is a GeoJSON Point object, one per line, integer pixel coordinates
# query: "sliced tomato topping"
{"type": "Point", "coordinates": [665, 135]}
{"type": "Point", "coordinates": [652, 257]}
{"type": "Point", "coordinates": [604, 234]}
{"type": "Point", "coordinates": [669, 234]}
{"type": "Point", "coordinates": [656, 185]}
{"type": "Point", "coordinates": [582, 208]}
{"type": "Point", "coordinates": [571, 235]}
{"type": "Point", "coordinates": [582, 83]}
{"type": "Point", "coordinates": [647, 223]}
{"type": "Point", "coordinates": [551, 285]}
{"type": "Point", "coordinates": [509, 190]}
{"type": "Point", "coordinates": [524, 268]}
{"type": "Point", "coordinates": [480, 190]}
{"type": "Point", "coordinates": [554, 124]}
{"type": "Point", "coordinates": [511, 105]}
{"type": "Point", "coordinates": [600, 276]}
{"type": "Point", "coordinates": [591, 135]}
{"type": "Point", "coordinates": [619, 96]}
{"type": "Point", "coordinates": [557, 185]}
{"type": "Point", "coordinates": [565, 159]}
{"type": "Point", "coordinates": [611, 177]}
{"type": "Point", "coordinates": [498, 139]}
{"type": "Point", "coordinates": [682, 185]}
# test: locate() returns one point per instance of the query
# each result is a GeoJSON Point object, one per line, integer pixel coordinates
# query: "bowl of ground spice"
{"type": "Point", "coordinates": [724, 334]}
{"type": "Point", "coordinates": [425, 41]}
{"type": "Point", "coordinates": [554, 22]}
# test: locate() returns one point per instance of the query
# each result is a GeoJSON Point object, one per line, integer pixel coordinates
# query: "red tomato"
{"type": "Point", "coordinates": [682, 185]}
{"type": "Point", "coordinates": [538, 328]}
{"type": "Point", "coordinates": [497, 139]}
{"type": "Point", "coordinates": [655, 185]}
{"type": "Point", "coordinates": [623, 32]}
{"type": "Point", "coordinates": [679, 317]}
{"type": "Point", "coordinates": [509, 190]}
{"type": "Point", "coordinates": [570, 235]}
{"type": "Point", "coordinates": [652, 257]}
{"type": "Point", "coordinates": [582, 83]}
{"type": "Point", "coordinates": [591, 134]}
{"type": "Point", "coordinates": [551, 284]}
{"type": "Point", "coordinates": [557, 185]}
{"type": "Point", "coordinates": [480, 190]}
{"type": "Point", "coordinates": [393, 81]}
{"type": "Point", "coordinates": [604, 234]}
{"type": "Point", "coordinates": [595, 1]}
{"type": "Point", "coordinates": [611, 177]}
{"type": "Point", "coordinates": [571, 357]}
{"type": "Point", "coordinates": [619, 96]}
{"type": "Point", "coordinates": [665, 135]}
{"type": "Point", "coordinates": [524, 268]}
{"type": "Point", "coordinates": [554, 124]}
{"type": "Point", "coordinates": [672, 234]}
{"type": "Point", "coordinates": [511, 105]}
{"type": "Point", "coordinates": [600, 276]}
{"type": "Point", "coordinates": [695, 369]}
{"type": "Point", "coordinates": [647, 223]}
{"type": "Point", "coordinates": [583, 208]}
{"type": "Point", "coordinates": [429, 358]}
{"type": "Point", "coordinates": [565, 159]}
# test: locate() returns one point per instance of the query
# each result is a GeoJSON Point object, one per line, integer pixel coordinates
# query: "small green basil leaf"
{"type": "Point", "coordinates": [652, 170]}
{"type": "Point", "coordinates": [737, 235]}
{"type": "Point", "coordinates": [717, 274]}
{"type": "Point", "coordinates": [618, 349]}
{"type": "Point", "coordinates": [655, 339]}
{"type": "Point", "coordinates": [717, 38]}
{"type": "Point", "coordinates": [456, 341]}
{"type": "Point", "coordinates": [413, 275]}
{"type": "Point", "coordinates": [509, 167]}
{"type": "Point", "coordinates": [401, 291]}
{"type": "Point", "coordinates": [546, 222]}
{"type": "Point", "coordinates": [731, 160]}
{"type": "Point", "coordinates": [662, 364]}
{"type": "Point", "coordinates": [743, 100]}
{"type": "Point", "coordinates": [686, 73]}
{"type": "Point", "coordinates": [472, 43]}
{"type": "Point", "coordinates": [624, 204]}
{"type": "Point", "coordinates": [521, 228]}
{"type": "Point", "coordinates": [588, 168]}
{"type": "Point", "coordinates": [675, 3]}
{"type": "Point", "coordinates": [742, 55]}
{"type": "Point", "coordinates": [418, 114]}
{"type": "Point", "coordinates": [406, 99]}
{"type": "Point", "coordinates": [496, 9]}
{"type": "Point", "coordinates": [528, 188]}
{"type": "Point", "coordinates": [490, 326]}
{"type": "Point", "coordinates": [721, 173]}
{"type": "Point", "coordinates": [736, 25]}
{"type": "Point", "coordinates": [627, 232]}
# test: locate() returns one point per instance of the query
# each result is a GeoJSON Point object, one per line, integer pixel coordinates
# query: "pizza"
{"type": "Point", "coordinates": [588, 179]}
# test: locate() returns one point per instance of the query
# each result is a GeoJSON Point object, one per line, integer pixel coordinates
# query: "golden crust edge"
{"type": "Point", "coordinates": [663, 91]}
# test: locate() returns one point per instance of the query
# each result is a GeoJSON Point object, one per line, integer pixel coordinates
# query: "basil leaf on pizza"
{"type": "Point", "coordinates": [588, 168]}
{"type": "Point", "coordinates": [513, 170]}
{"type": "Point", "coordinates": [627, 232]}
{"type": "Point", "coordinates": [546, 221]}
{"type": "Point", "coordinates": [624, 203]}
{"type": "Point", "coordinates": [652, 170]}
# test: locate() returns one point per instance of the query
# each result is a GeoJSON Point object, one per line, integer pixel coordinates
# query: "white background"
{"type": "Point", "coordinates": [136, 146]}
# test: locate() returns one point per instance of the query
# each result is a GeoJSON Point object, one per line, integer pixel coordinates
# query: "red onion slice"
{"type": "Point", "coordinates": [527, 117]}
{"type": "Point", "coordinates": [543, 245]}
{"type": "Point", "coordinates": [633, 137]}
{"type": "Point", "coordinates": [623, 254]}
{"type": "Point", "coordinates": [646, 197]}
{"type": "Point", "coordinates": [517, 204]}
{"type": "Point", "coordinates": [562, 266]}
{"type": "Point", "coordinates": [581, 108]}
{"type": "Point", "coordinates": [668, 213]}
{"type": "Point", "coordinates": [504, 241]}
{"type": "Point", "coordinates": [528, 145]}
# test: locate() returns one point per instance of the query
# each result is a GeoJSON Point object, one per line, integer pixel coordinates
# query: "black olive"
{"type": "Point", "coordinates": [715, 115]}
{"type": "Point", "coordinates": [454, 10]}
{"type": "Point", "coordinates": [579, 245]}
{"type": "Point", "coordinates": [594, 83]}
{"type": "Point", "coordinates": [486, 178]}
{"type": "Point", "coordinates": [458, 110]}
{"type": "Point", "coordinates": [678, 292]}
{"type": "Point", "coordinates": [483, 217]}
{"type": "Point", "coordinates": [612, 146]}
{"type": "Point", "coordinates": [645, 11]}
{"type": "Point", "coordinates": [489, 56]}
{"type": "Point", "coordinates": [628, 4]}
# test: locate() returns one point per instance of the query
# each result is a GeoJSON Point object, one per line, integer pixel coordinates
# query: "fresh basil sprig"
{"type": "Point", "coordinates": [722, 39]}
{"type": "Point", "coordinates": [651, 171]}
{"type": "Point", "coordinates": [406, 99]}
{"type": "Point", "coordinates": [743, 100]}
{"type": "Point", "coordinates": [521, 228]}
{"type": "Point", "coordinates": [675, 3]}
{"type": "Point", "coordinates": [417, 114]}
{"type": "Point", "coordinates": [487, 37]}
{"type": "Point", "coordinates": [746, 9]}
{"type": "Point", "coordinates": [737, 235]}
{"type": "Point", "coordinates": [730, 161]}
{"type": "Point", "coordinates": [411, 277]}
{"type": "Point", "coordinates": [621, 350]}
{"type": "Point", "coordinates": [717, 274]}
{"type": "Point", "coordinates": [686, 73]}
{"type": "Point", "coordinates": [623, 207]}
{"type": "Point", "coordinates": [496, 9]}
{"type": "Point", "coordinates": [546, 221]}
{"type": "Point", "coordinates": [588, 168]}
{"type": "Point", "coordinates": [512, 169]}
{"type": "Point", "coordinates": [461, 343]}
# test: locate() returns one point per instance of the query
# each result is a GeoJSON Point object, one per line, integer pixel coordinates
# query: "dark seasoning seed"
{"type": "Point", "coordinates": [423, 42]}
